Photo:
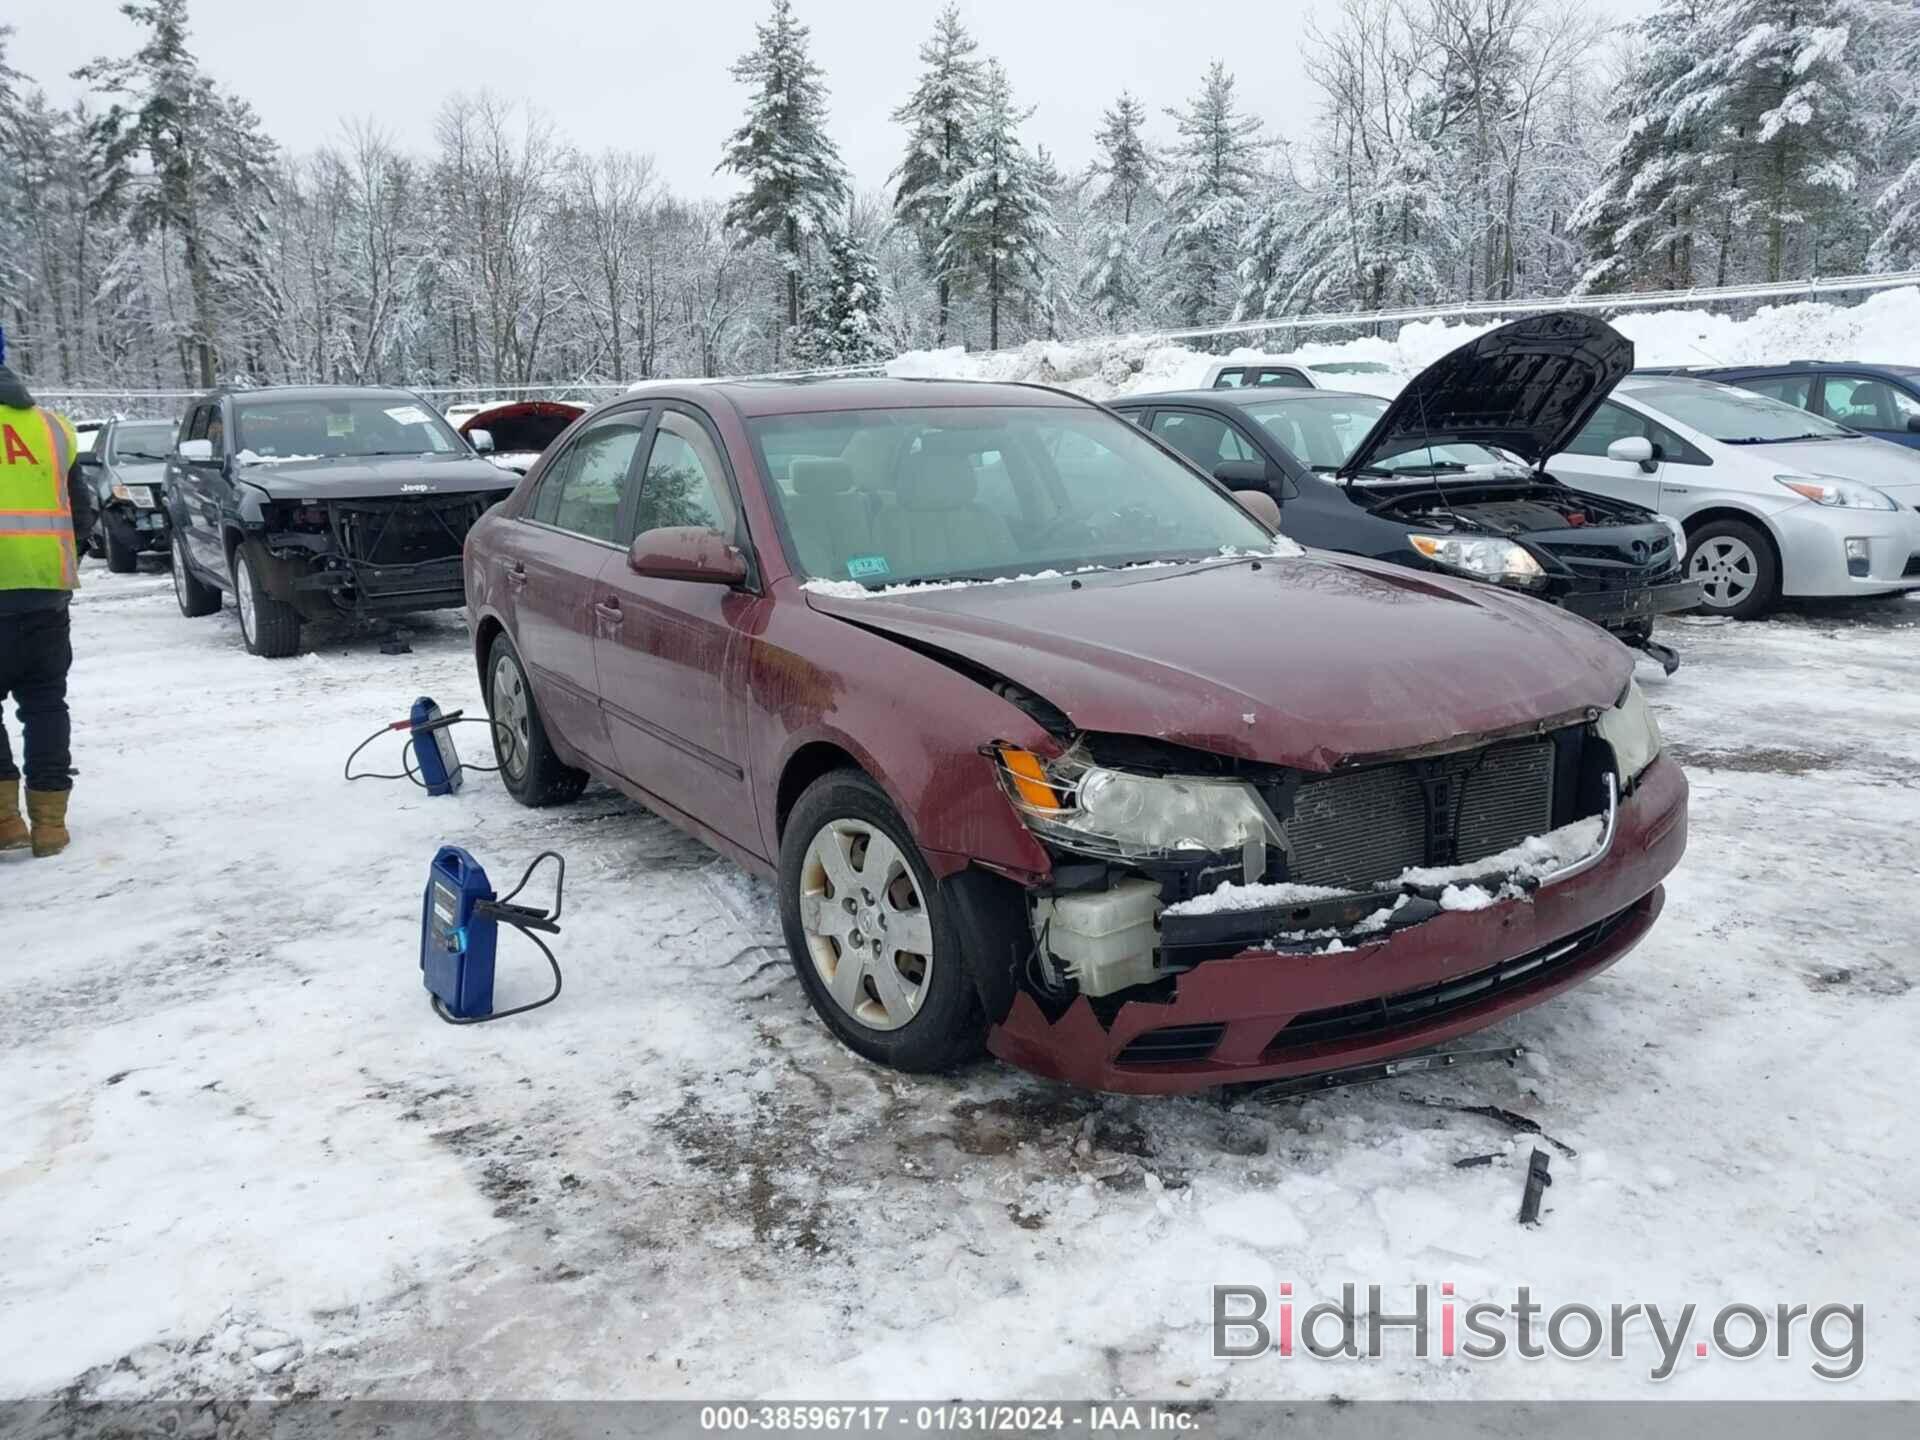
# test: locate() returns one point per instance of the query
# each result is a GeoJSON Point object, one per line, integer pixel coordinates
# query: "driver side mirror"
{"type": "Point", "coordinates": [481, 440]}
{"type": "Point", "coordinates": [89, 458]}
{"type": "Point", "coordinates": [196, 452]}
{"type": "Point", "coordinates": [687, 552]}
{"type": "Point", "coordinates": [1633, 450]}
{"type": "Point", "coordinates": [1245, 477]}
{"type": "Point", "coordinates": [1913, 424]}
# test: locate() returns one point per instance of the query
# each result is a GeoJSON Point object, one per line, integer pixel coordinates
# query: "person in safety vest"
{"type": "Point", "coordinates": [44, 504]}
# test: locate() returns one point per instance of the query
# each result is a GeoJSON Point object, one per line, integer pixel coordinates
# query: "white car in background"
{"type": "Point", "coordinates": [1255, 372]}
{"type": "Point", "coordinates": [1775, 501]}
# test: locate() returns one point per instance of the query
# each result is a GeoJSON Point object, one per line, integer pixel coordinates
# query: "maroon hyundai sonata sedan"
{"type": "Point", "coordinates": [1049, 745]}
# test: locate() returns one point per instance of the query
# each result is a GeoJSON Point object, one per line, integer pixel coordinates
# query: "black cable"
{"type": "Point", "coordinates": [526, 920]}
{"type": "Point", "coordinates": [406, 755]}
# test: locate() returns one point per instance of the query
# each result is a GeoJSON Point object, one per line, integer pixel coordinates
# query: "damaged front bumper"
{"type": "Point", "coordinates": [1625, 608]}
{"type": "Point", "coordinates": [370, 557]}
{"type": "Point", "coordinates": [1258, 1010]}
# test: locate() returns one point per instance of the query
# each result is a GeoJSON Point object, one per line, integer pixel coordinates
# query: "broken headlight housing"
{"type": "Point", "coordinates": [1120, 814]}
{"type": "Point", "coordinates": [1631, 730]}
{"type": "Point", "coordinates": [1479, 557]}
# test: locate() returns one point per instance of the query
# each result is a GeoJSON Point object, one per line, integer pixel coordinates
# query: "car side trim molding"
{"type": "Point", "coordinates": [679, 742]}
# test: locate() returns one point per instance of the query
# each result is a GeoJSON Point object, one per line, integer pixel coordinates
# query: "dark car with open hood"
{"type": "Point", "coordinates": [1048, 745]}
{"type": "Point", "coordinates": [1446, 476]}
{"type": "Point", "coordinates": [321, 502]}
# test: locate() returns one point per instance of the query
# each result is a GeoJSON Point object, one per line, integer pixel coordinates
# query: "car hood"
{"type": "Point", "coordinates": [1893, 468]}
{"type": "Point", "coordinates": [1305, 662]}
{"type": "Point", "coordinates": [1526, 387]}
{"type": "Point", "coordinates": [375, 476]}
{"type": "Point", "coordinates": [144, 472]}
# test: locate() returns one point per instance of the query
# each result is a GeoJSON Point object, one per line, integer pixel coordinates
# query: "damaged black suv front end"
{"type": "Point", "coordinates": [370, 555]}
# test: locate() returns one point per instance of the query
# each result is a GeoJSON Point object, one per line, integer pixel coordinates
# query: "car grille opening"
{"type": "Point", "coordinates": [1171, 1044]}
{"type": "Point", "coordinates": [1365, 827]}
{"type": "Point", "coordinates": [407, 532]}
{"type": "Point", "coordinates": [1373, 1019]}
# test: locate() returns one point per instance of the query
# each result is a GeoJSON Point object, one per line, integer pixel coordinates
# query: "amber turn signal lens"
{"type": "Point", "coordinates": [1029, 778]}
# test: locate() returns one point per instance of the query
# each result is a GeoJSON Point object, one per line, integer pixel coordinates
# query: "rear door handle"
{"type": "Point", "coordinates": [609, 610]}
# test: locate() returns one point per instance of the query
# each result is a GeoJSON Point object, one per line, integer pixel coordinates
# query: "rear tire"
{"type": "Point", "coordinates": [196, 597]}
{"type": "Point", "coordinates": [850, 937]}
{"type": "Point", "coordinates": [122, 559]}
{"type": "Point", "coordinates": [1736, 563]}
{"type": "Point", "coordinates": [270, 627]}
{"type": "Point", "coordinates": [533, 773]}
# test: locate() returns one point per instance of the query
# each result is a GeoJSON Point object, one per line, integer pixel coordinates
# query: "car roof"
{"type": "Point", "coordinates": [752, 398]}
{"type": "Point", "coordinates": [1230, 395]}
{"type": "Point", "coordinates": [308, 392]}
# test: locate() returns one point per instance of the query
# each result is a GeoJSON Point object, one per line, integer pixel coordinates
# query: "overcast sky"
{"type": "Point", "coordinates": [652, 77]}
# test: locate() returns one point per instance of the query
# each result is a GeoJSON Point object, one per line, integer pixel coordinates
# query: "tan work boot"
{"type": "Point", "coordinates": [13, 830]}
{"type": "Point", "coordinates": [47, 809]}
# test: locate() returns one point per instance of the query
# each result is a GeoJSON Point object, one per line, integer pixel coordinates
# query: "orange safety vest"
{"type": "Point", "coordinates": [37, 550]}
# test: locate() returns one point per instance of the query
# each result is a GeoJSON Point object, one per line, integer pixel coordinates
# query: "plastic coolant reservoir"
{"type": "Point", "coordinates": [1105, 940]}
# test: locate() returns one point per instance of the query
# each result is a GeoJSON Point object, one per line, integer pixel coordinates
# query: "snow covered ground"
{"type": "Point", "coordinates": [1878, 329]}
{"type": "Point", "coordinates": [242, 1157]}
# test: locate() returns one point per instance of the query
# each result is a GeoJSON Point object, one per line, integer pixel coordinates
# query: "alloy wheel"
{"type": "Point", "coordinates": [243, 585]}
{"type": "Point", "coordinates": [868, 931]}
{"type": "Point", "coordinates": [511, 716]}
{"type": "Point", "coordinates": [1727, 570]}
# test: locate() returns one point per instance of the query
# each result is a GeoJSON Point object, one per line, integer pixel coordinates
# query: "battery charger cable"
{"type": "Point", "coordinates": [526, 919]}
{"type": "Point", "coordinates": [407, 769]}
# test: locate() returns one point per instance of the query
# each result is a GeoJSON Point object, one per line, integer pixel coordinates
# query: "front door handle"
{"type": "Point", "coordinates": [609, 611]}
{"type": "Point", "coordinates": [516, 574]}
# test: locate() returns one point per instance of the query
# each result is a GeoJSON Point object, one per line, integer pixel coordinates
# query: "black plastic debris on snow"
{"type": "Point", "coordinates": [1537, 1181]}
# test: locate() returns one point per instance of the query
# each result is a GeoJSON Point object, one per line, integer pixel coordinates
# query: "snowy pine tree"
{"type": "Point", "coordinates": [1116, 279]}
{"type": "Point", "coordinates": [997, 219]}
{"type": "Point", "coordinates": [795, 183]}
{"type": "Point", "coordinates": [939, 117]}
{"type": "Point", "coordinates": [1216, 173]}
{"type": "Point", "coordinates": [840, 323]}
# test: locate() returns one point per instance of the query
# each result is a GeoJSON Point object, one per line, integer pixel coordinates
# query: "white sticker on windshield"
{"type": "Point", "coordinates": [409, 415]}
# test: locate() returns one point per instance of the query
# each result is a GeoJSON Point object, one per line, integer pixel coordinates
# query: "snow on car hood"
{"type": "Point", "coordinates": [1526, 388]}
{"type": "Point", "coordinates": [1304, 662]}
{"type": "Point", "coordinates": [371, 476]}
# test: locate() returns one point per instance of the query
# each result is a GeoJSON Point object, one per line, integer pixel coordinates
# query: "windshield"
{"type": "Point", "coordinates": [354, 425]}
{"type": "Point", "coordinates": [890, 497]}
{"type": "Point", "coordinates": [1323, 430]}
{"type": "Point", "coordinates": [143, 442]}
{"type": "Point", "coordinates": [1736, 417]}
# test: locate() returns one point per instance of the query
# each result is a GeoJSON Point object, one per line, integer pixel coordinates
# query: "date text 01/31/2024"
{"type": "Point", "coordinates": [979, 1418]}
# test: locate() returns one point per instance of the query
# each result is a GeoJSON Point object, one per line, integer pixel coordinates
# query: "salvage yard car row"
{"type": "Point", "coordinates": [1048, 735]}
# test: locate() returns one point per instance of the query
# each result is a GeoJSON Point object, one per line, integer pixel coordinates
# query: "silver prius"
{"type": "Point", "coordinates": [1775, 501]}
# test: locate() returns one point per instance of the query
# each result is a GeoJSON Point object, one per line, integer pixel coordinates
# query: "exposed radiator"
{"type": "Point", "coordinates": [1364, 828]}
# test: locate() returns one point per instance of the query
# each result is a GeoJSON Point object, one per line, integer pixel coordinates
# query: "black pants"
{"type": "Point", "coordinates": [36, 650]}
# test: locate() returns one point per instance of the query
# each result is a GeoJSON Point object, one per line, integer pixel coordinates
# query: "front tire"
{"type": "Point", "coordinates": [872, 936]}
{"type": "Point", "coordinates": [122, 558]}
{"type": "Point", "coordinates": [196, 597]}
{"type": "Point", "coordinates": [270, 627]}
{"type": "Point", "coordinates": [529, 767]}
{"type": "Point", "coordinates": [1736, 565]}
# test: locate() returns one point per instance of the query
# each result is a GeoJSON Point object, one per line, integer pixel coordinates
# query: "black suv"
{"type": "Point", "coordinates": [1446, 476]}
{"type": "Point", "coordinates": [127, 467]}
{"type": "Point", "coordinates": [321, 502]}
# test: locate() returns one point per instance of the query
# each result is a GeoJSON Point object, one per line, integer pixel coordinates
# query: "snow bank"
{"type": "Point", "coordinates": [1880, 328]}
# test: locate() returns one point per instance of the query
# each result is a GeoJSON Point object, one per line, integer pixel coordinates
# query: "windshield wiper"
{"type": "Point", "coordinates": [1779, 439]}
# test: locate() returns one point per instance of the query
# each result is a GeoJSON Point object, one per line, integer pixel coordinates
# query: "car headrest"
{"type": "Point", "coordinates": [938, 480]}
{"type": "Point", "coordinates": [812, 476]}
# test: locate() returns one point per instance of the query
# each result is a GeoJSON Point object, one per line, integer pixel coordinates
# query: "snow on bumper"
{"type": "Point", "coordinates": [1264, 1014]}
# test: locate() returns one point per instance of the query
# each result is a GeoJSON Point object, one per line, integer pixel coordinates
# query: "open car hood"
{"type": "Point", "coordinates": [1304, 662]}
{"type": "Point", "coordinates": [1526, 388]}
